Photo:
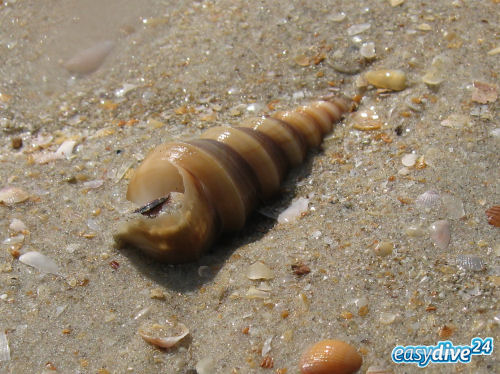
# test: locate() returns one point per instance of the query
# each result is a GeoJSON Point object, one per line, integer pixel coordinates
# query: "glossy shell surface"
{"type": "Point", "coordinates": [330, 357]}
{"type": "Point", "coordinates": [220, 178]}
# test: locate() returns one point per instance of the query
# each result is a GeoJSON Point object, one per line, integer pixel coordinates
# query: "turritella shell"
{"type": "Point", "coordinates": [192, 191]}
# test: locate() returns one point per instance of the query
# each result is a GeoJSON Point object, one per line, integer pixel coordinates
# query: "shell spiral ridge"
{"type": "Point", "coordinates": [192, 191]}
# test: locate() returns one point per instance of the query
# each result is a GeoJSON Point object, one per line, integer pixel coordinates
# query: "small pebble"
{"type": "Point", "coordinates": [17, 142]}
{"type": "Point", "coordinates": [367, 50]}
{"type": "Point", "coordinates": [384, 249]}
{"type": "Point", "coordinates": [387, 78]}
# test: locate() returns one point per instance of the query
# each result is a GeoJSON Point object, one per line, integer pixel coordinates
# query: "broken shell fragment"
{"type": "Point", "coordinates": [394, 80]}
{"type": "Point", "coordinates": [192, 191]}
{"type": "Point", "coordinates": [440, 233]}
{"type": "Point", "coordinates": [13, 195]}
{"type": "Point", "coordinates": [259, 270]}
{"type": "Point", "coordinates": [163, 335]}
{"type": "Point", "coordinates": [493, 215]}
{"type": "Point", "coordinates": [428, 200]}
{"type": "Point", "coordinates": [330, 356]}
{"type": "Point", "coordinates": [40, 261]}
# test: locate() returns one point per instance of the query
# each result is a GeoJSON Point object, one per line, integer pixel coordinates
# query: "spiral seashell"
{"type": "Point", "coordinates": [192, 191]}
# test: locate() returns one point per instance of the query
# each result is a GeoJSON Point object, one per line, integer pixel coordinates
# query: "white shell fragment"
{"type": "Point", "coordinates": [4, 347]}
{"type": "Point", "coordinates": [436, 74]}
{"type": "Point", "coordinates": [358, 29]}
{"type": "Point", "coordinates": [470, 262]}
{"type": "Point", "coordinates": [456, 121]}
{"type": "Point", "coordinates": [255, 293]}
{"type": "Point", "coordinates": [16, 225]}
{"type": "Point", "coordinates": [40, 262]}
{"type": "Point", "coordinates": [259, 270]}
{"type": "Point", "coordinates": [13, 195]}
{"type": "Point", "coordinates": [66, 149]}
{"type": "Point", "coordinates": [409, 159]}
{"type": "Point", "coordinates": [89, 59]}
{"type": "Point", "coordinates": [266, 347]}
{"type": "Point", "coordinates": [428, 200]}
{"type": "Point", "coordinates": [367, 50]}
{"type": "Point", "coordinates": [163, 336]}
{"type": "Point", "coordinates": [294, 211]}
{"type": "Point", "coordinates": [440, 233]}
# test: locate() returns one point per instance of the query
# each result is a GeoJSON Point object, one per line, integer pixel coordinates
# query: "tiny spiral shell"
{"type": "Point", "coordinates": [218, 179]}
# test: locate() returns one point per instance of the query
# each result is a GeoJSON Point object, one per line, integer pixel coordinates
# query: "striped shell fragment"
{"type": "Point", "coordinates": [192, 191]}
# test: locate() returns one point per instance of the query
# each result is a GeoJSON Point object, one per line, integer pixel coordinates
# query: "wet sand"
{"type": "Point", "coordinates": [377, 277]}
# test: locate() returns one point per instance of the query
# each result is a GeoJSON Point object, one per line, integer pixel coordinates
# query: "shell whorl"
{"type": "Point", "coordinates": [218, 179]}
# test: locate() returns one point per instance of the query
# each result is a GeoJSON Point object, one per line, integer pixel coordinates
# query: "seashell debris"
{"type": "Point", "coordinates": [440, 233]}
{"type": "Point", "coordinates": [330, 356]}
{"type": "Point", "coordinates": [470, 262]}
{"type": "Point", "coordinates": [163, 335]}
{"type": "Point", "coordinates": [259, 270]}
{"type": "Point", "coordinates": [390, 79]}
{"type": "Point", "coordinates": [13, 195]}
{"type": "Point", "coordinates": [40, 262]}
{"type": "Point", "coordinates": [4, 347]}
{"type": "Point", "coordinates": [294, 211]}
{"type": "Point", "coordinates": [429, 199]}
{"type": "Point", "coordinates": [493, 215]}
{"type": "Point", "coordinates": [16, 225]}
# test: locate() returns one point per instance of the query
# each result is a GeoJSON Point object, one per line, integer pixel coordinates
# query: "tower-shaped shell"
{"type": "Point", "coordinates": [191, 191]}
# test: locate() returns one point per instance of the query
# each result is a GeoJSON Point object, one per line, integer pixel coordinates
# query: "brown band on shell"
{"type": "Point", "coordinates": [331, 107]}
{"type": "Point", "coordinates": [241, 176]}
{"type": "Point", "coordinates": [275, 153]}
{"type": "Point", "coordinates": [286, 137]}
{"type": "Point", "coordinates": [220, 187]}
{"type": "Point", "coordinates": [320, 115]}
{"type": "Point", "coordinates": [218, 179]}
{"type": "Point", "coordinates": [305, 124]}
